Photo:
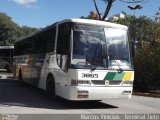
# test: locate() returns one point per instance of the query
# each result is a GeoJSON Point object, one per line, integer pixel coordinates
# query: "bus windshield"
{"type": "Point", "coordinates": [118, 48]}
{"type": "Point", "coordinates": [96, 46]}
{"type": "Point", "coordinates": [88, 46]}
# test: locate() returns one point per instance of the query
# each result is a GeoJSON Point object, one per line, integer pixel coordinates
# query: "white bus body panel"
{"type": "Point", "coordinates": [65, 90]}
{"type": "Point", "coordinates": [98, 92]}
{"type": "Point", "coordinates": [61, 78]}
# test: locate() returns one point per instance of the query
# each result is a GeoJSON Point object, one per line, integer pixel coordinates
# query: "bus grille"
{"type": "Point", "coordinates": [102, 82]}
{"type": "Point", "coordinates": [115, 82]}
{"type": "Point", "coordinates": [98, 82]}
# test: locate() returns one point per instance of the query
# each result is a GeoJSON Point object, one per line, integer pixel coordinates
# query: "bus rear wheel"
{"type": "Point", "coordinates": [50, 88]}
{"type": "Point", "coordinates": [20, 78]}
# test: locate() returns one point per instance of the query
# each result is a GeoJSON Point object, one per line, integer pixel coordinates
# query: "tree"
{"type": "Point", "coordinates": [10, 31]}
{"type": "Point", "coordinates": [157, 16]}
{"type": "Point", "coordinates": [109, 4]}
{"type": "Point", "coordinates": [7, 27]}
{"type": "Point", "coordinates": [25, 30]}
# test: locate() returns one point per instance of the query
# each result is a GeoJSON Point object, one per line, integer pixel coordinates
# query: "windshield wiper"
{"type": "Point", "coordinates": [120, 69]}
{"type": "Point", "coordinates": [94, 66]}
{"type": "Point", "coordinates": [94, 60]}
{"type": "Point", "coordinates": [100, 57]}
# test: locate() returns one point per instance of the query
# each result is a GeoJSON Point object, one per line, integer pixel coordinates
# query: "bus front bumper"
{"type": "Point", "coordinates": [98, 93]}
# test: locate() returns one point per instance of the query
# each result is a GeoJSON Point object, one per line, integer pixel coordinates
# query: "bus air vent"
{"type": "Point", "coordinates": [115, 82]}
{"type": "Point", "coordinates": [98, 82]}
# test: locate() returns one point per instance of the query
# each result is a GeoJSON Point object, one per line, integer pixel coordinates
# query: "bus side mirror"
{"type": "Point", "coordinates": [64, 63]}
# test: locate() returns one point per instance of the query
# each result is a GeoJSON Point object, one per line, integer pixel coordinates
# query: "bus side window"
{"type": "Point", "coordinates": [63, 46]}
{"type": "Point", "coordinates": [51, 40]}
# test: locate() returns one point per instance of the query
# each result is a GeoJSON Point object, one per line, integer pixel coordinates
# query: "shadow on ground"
{"type": "Point", "coordinates": [12, 94]}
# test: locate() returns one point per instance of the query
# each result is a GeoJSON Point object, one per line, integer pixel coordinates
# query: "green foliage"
{"type": "Point", "coordinates": [27, 30]}
{"type": "Point", "coordinates": [157, 16]}
{"type": "Point", "coordinates": [149, 56]}
{"type": "Point", "coordinates": [146, 32]}
{"type": "Point", "coordinates": [10, 31]}
{"type": "Point", "coordinates": [7, 28]}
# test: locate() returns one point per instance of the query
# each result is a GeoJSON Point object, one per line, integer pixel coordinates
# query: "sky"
{"type": "Point", "coordinates": [41, 13]}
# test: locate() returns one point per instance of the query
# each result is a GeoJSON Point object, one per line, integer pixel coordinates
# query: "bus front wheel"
{"type": "Point", "coordinates": [50, 88]}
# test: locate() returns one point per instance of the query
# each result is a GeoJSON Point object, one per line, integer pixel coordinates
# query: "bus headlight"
{"type": "Point", "coordinates": [83, 82]}
{"type": "Point", "coordinates": [73, 82]}
{"type": "Point", "coordinates": [80, 82]}
{"type": "Point", "coordinates": [130, 83]}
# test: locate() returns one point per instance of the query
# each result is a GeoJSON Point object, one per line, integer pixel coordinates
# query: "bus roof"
{"type": "Point", "coordinates": [81, 21]}
{"type": "Point", "coordinates": [95, 22]}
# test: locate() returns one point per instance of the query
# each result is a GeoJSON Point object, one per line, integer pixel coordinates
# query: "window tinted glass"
{"type": "Point", "coordinates": [63, 45]}
{"type": "Point", "coordinates": [40, 43]}
{"type": "Point", "coordinates": [63, 42]}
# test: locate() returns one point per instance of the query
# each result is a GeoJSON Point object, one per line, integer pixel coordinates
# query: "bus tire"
{"type": "Point", "coordinates": [20, 78]}
{"type": "Point", "coordinates": [50, 87]}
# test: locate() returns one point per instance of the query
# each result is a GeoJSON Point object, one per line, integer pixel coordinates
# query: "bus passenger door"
{"type": "Point", "coordinates": [63, 56]}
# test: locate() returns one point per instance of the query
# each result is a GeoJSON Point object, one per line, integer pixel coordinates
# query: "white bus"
{"type": "Point", "coordinates": [77, 59]}
{"type": "Point", "coordinates": [6, 58]}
